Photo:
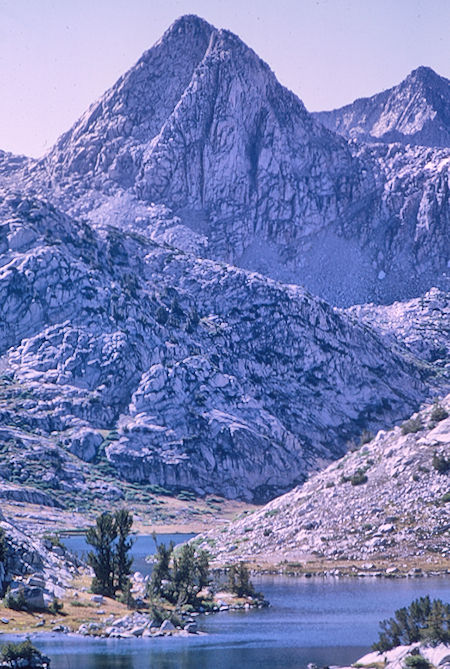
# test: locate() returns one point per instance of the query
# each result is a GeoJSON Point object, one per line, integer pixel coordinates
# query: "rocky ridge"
{"type": "Point", "coordinates": [170, 367]}
{"type": "Point", "coordinates": [416, 111]}
{"type": "Point", "coordinates": [208, 151]}
{"type": "Point", "coordinates": [422, 325]}
{"type": "Point", "coordinates": [384, 502]}
{"type": "Point", "coordinates": [122, 344]}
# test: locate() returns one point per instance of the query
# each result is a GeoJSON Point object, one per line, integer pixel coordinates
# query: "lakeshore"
{"type": "Point", "coordinates": [327, 621]}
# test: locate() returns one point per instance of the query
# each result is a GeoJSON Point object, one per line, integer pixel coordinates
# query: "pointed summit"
{"type": "Point", "coordinates": [201, 129]}
{"type": "Point", "coordinates": [110, 135]}
{"type": "Point", "coordinates": [416, 111]}
{"type": "Point", "coordinates": [423, 73]}
{"type": "Point", "coordinates": [202, 125]}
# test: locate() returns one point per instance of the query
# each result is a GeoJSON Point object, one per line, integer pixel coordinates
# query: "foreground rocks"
{"type": "Point", "coordinates": [438, 656]}
{"type": "Point", "coordinates": [138, 624]}
{"type": "Point", "coordinates": [383, 503]}
{"type": "Point", "coordinates": [36, 568]}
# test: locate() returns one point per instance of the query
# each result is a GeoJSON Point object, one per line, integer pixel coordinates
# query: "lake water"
{"type": "Point", "coordinates": [322, 620]}
{"type": "Point", "coordinates": [143, 545]}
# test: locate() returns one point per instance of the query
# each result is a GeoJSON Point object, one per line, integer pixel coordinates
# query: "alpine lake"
{"type": "Point", "coordinates": [327, 621]}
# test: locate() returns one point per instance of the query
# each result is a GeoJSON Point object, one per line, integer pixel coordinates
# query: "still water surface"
{"type": "Point", "coordinates": [327, 621]}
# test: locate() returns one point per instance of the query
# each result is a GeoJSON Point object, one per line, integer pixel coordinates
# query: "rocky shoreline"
{"type": "Point", "coordinates": [142, 625]}
{"type": "Point", "coordinates": [435, 656]}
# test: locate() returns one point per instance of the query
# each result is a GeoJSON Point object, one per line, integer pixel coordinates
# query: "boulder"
{"type": "Point", "coordinates": [34, 598]}
{"type": "Point", "coordinates": [85, 442]}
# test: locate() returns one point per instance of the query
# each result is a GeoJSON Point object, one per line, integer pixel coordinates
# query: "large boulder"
{"type": "Point", "coordinates": [85, 442]}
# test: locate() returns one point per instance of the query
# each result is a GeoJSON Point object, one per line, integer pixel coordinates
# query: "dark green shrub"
{"type": "Point", "coordinates": [365, 437]}
{"type": "Point", "coordinates": [416, 661]}
{"type": "Point", "coordinates": [126, 597]}
{"type": "Point", "coordinates": [358, 478]}
{"type": "Point", "coordinates": [178, 578]}
{"type": "Point", "coordinates": [55, 606]}
{"type": "Point", "coordinates": [412, 426]}
{"type": "Point", "coordinates": [446, 498]}
{"type": "Point", "coordinates": [438, 413]}
{"type": "Point", "coordinates": [109, 559]}
{"type": "Point", "coordinates": [15, 600]}
{"type": "Point", "coordinates": [239, 581]}
{"type": "Point", "coordinates": [437, 626]}
{"type": "Point", "coordinates": [14, 652]}
{"type": "Point", "coordinates": [54, 539]}
{"type": "Point", "coordinates": [440, 463]}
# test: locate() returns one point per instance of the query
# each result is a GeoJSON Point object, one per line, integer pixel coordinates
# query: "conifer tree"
{"type": "Point", "coordinates": [101, 559]}
{"type": "Point", "coordinates": [123, 520]}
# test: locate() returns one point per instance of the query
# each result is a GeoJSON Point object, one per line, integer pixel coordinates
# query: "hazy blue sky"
{"type": "Point", "coordinates": [58, 56]}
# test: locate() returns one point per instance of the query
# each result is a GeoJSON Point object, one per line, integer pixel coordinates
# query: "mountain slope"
{"type": "Point", "coordinates": [180, 359]}
{"type": "Point", "coordinates": [417, 111]}
{"type": "Point", "coordinates": [386, 501]}
{"type": "Point", "coordinates": [423, 325]}
{"type": "Point", "coordinates": [219, 157]}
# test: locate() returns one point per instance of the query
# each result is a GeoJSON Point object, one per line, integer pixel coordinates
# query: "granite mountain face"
{"type": "Point", "coordinates": [417, 111]}
{"type": "Point", "coordinates": [199, 144]}
{"type": "Point", "coordinates": [205, 376]}
{"type": "Point", "coordinates": [126, 339]}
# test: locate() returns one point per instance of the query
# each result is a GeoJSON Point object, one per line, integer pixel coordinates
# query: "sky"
{"type": "Point", "coordinates": [58, 56]}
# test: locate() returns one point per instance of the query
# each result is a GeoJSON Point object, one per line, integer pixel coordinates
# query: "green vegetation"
{"type": "Point", "coordinates": [412, 426]}
{"type": "Point", "coordinates": [422, 620]}
{"type": "Point", "coordinates": [416, 661]}
{"type": "Point", "coordinates": [109, 559]}
{"type": "Point", "coordinates": [358, 478]}
{"type": "Point", "coordinates": [366, 437]}
{"type": "Point", "coordinates": [271, 513]}
{"type": "Point", "coordinates": [239, 581]}
{"type": "Point", "coordinates": [440, 463]}
{"type": "Point", "coordinates": [55, 606]}
{"type": "Point", "coordinates": [123, 562]}
{"type": "Point", "coordinates": [178, 577]}
{"type": "Point", "coordinates": [15, 600]}
{"type": "Point", "coordinates": [438, 413]}
{"type": "Point", "coordinates": [25, 651]}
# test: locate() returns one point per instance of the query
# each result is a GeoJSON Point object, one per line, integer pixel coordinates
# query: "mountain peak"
{"type": "Point", "coordinates": [423, 72]}
{"type": "Point", "coordinates": [416, 111]}
{"type": "Point", "coordinates": [188, 23]}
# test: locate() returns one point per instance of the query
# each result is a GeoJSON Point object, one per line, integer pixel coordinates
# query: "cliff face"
{"type": "Point", "coordinates": [210, 151]}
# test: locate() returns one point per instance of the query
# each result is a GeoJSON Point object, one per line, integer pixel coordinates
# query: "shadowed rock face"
{"type": "Point", "coordinates": [417, 111]}
{"type": "Point", "coordinates": [213, 378]}
{"type": "Point", "coordinates": [212, 154]}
